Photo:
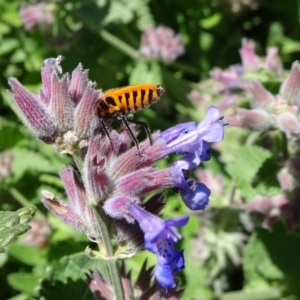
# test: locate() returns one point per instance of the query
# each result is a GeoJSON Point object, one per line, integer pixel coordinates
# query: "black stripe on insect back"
{"type": "Point", "coordinates": [150, 96]}
{"type": "Point", "coordinates": [110, 101]}
{"type": "Point", "coordinates": [135, 94]}
{"type": "Point", "coordinates": [143, 93]}
{"type": "Point", "coordinates": [103, 105]}
{"type": "Point", "coordinates": [127, 97]}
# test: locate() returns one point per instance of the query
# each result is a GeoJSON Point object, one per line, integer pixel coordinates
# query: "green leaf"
{"type": "Point", "coordinates": [146, 72]}
{"type": "Point", "coordinates": [12, 224]}
{"type": "Point", "coordinates": [23, 282]}
{"type": "Point", "coordinates": [234, 138]}
{"type": "Point", "coordinates": [28, 255]}
{"type": "Point", "coordinates": [119, 12]}
{"type": "Point", "coordinates": [211, 21]}
{"type": "Point", "coordinates": [10, 133]}
{"type": "Point", "coordinates": [266, 182]}
{"type": "Point", "coordinates": [92, 13]}
{"type": "Point", "coordinates": [76, 266]}
{"type": "Point", "coordinates": [272, 258]}
{"type": "Point", "coordinates": [243, 168]}
{"type": "Point", "coordinates": [68, 276]}
{"type": "Point", "coordinates": [9, 45]}
{"type": "Point", "coordinates": [27, 160]}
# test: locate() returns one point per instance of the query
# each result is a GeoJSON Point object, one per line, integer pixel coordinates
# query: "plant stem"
{"type": "Point", "coordinates": [111, 262]}
{"type": "Point", "coordinates": [105, 246]}
{"type": "Point", "coordinates": [22, 200]}
{"type": "Point", "coordinates": [116, 42]}
{"type": "Point", "coordinates": [78, 161]}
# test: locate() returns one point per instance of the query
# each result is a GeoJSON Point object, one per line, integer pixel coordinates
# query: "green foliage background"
{"type": "Point", "coordinates": [104, 36]}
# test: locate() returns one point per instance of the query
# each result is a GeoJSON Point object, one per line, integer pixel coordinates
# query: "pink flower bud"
{"type": "Point", "coordinates": [61, 106]}
{"type": "Point", "coordinates": [78, 83]}
{"type": "Point", "coordinates": [86, 118]}
{"type": "Point", "coordinates": [261, 97]}
{"type": "Point", "coordinates": [33, 112]}
{"type": "Point", "coordinates": [286, 179]}
{"type": "Point", "coordinates": [249, 59]}
{"type": "Point", "coordinates": [273, 61]}
{"type": "Point", "coordinates": [289, 124]}
{"type": "Point", "coordinates": [290, 89]}
{"type": "Point", "coordinates": [255, 119]}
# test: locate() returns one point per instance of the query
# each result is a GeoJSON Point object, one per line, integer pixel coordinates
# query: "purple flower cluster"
{"type": "Point", "coordinates": [113, 179]}
{"type": "Point", "coordinates": [231, 78]}
{"type": "Point", "coordinates": [161, 43]}
{"type": "Point", "coordinates": [273, 111]}
{"type": "Point", "coordinates": [64, 111]}
{"type": "Point", "coordinates": [229, 83]}
{"type": "Point", "coordinates": [35, 14]}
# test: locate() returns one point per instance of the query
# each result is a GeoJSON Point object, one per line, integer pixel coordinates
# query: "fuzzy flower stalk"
{"type": "Point", "coordinates": [107, 191]}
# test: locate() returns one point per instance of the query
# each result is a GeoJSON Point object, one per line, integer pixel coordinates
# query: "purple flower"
{"type": "Point", "coordinates": [35, 14]}
{"type": "Point", "coordinates": [159, 239]}
{"type": "Point", "coordinates": [112, 178]}
{"type": "Point", "coordinates": [273, 111]}
{"type": "Point", "coordinates": [76, 211]}
{"type": "Point", "coordinates": [161, 43]}
{"type": "Point", "coordinates": [196, 195]}
{"type": "Point", "coordinates": [190, 137]}
{"type": "Point", "coordinates": [230, 82]}
{"type": "Point", "coordinates": [64, 112]}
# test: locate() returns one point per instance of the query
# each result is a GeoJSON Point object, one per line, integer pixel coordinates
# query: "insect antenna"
{"type": "Point", "coordinates": [145, 125]}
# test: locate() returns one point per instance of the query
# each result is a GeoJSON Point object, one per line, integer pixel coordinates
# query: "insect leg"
{"type": "Point", "coordinates": [106, 132]}
{"type": "Point", "coordinates": [136, 142]}
{"type": "Point", "coordinates": [145, 125]}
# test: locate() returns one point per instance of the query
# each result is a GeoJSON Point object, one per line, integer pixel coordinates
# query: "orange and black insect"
{"type": "Point", "coordinates": [116, 103]}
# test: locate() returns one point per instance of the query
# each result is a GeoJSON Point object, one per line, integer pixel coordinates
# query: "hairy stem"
{"type": "Point", "coordinates": [104, 244]}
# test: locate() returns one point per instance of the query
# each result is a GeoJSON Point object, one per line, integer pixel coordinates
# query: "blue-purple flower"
{"type": "Point", "coordinates": [159, 239]}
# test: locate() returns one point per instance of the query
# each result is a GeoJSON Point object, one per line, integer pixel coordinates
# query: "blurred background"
{"type": "Point", "coordinates": [199, 50]}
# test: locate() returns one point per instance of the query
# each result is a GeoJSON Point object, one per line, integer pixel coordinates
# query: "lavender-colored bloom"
{"type": "Point", "coordinates": [274, 208]}
{"type": "Point", "coordinates": [161, 43]}
{"type": "Point", "coordinates": [255, 119]}
{"type": "Point", "coordinates": [250, 60]}
{"type": "Point", "coordinates": [76, 211]}
{"type": "Point", "coordinates": [35, 14]}
{"type": "Point", "coordinates": [65, 110]}
{"type": "Point", "coordinates": [190, 138]}
{"type": "Point", "coordinates": [134, 178]}
{"type": "Point", "coordinates": [290, 89]}
{"type": "Point", "coordinates": [196, 197]}
{"type": "Point", "coordinates": [159, 239]}
{"type": "Point", "coordinates": [230, 82]}
{"type": "Point", "coordinates": [273, 111]}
